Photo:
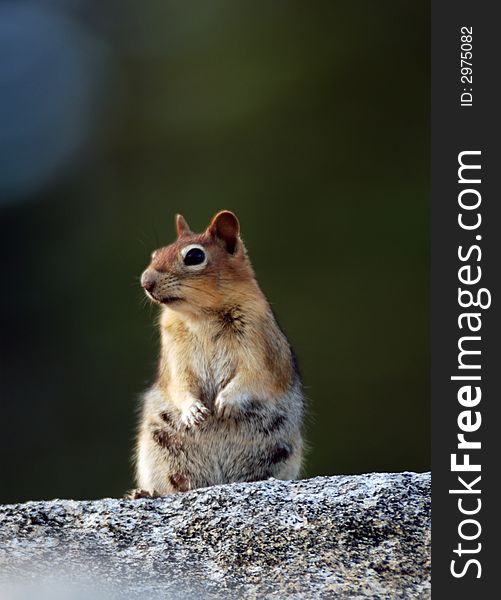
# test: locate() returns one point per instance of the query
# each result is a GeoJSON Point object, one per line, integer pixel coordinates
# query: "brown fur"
{"type": "Point", "coordinates": [227, 404]}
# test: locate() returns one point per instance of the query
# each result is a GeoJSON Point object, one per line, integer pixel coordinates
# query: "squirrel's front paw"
{"type": "Point", "coordinates": [227, 404]}
{"type": "Point", "coordinates": [193, 414]}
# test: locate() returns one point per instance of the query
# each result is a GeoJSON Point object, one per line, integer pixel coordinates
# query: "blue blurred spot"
{"type": "Point", "coordinates": [48, 93]}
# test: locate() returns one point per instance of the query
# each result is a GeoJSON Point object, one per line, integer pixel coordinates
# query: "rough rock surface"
{"type": "Point", "coordinates": [364, 536]}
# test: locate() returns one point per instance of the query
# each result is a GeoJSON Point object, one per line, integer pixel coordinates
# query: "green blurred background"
{"type": "Point", "coordinates": [309, 120]}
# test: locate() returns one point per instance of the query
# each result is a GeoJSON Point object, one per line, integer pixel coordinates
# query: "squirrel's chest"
{"type": "Point", "coordinates": [209, 363]}
{"type": "Point", "coordinates": [217, 361]}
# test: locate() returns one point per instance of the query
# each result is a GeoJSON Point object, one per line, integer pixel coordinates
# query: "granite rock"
{"type": "Point", "coordinates": [364, 536]}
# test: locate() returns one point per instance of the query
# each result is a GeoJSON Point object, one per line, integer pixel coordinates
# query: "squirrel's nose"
{"type": "Point", "coordinates": [148, 281]}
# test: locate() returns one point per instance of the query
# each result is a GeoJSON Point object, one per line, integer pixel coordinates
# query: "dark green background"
{"type": "Point", "coordinates": [311, 122]}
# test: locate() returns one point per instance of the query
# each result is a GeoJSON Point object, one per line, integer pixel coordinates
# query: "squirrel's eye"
{"type": "Point", "coordinates": [195, 256]}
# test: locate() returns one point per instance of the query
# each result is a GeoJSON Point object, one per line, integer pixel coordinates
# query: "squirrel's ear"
{"type": "Point", "coordinates": [182, 226]}
{"type": "Point", "coordinates": [226, 228]}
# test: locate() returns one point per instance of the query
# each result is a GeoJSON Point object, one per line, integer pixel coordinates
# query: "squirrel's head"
{"type": "Point", "coordinates": [199, 270]}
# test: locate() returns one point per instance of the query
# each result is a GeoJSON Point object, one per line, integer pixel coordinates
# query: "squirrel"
{"type": "Point", "coordinates": [227, 404]}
